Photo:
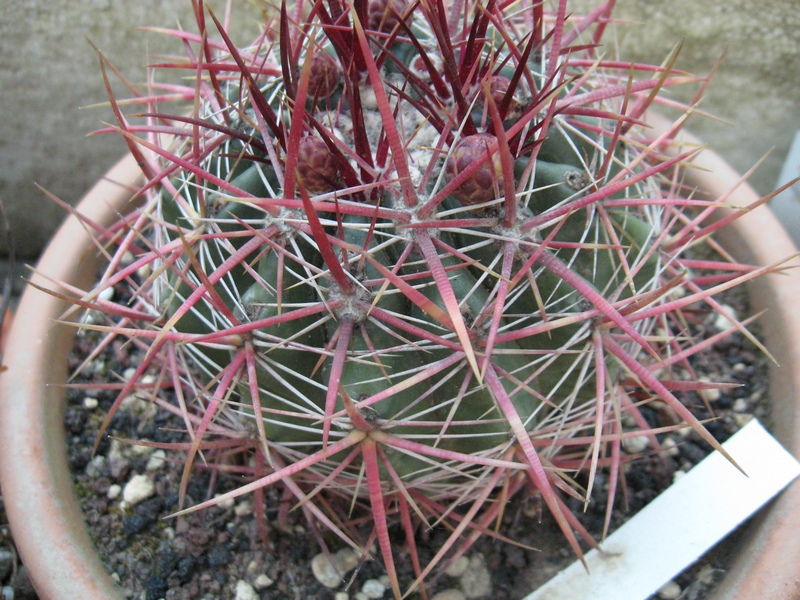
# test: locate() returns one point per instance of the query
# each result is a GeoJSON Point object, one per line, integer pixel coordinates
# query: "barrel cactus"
{"type": "Point", "coordinates": [415, 258]}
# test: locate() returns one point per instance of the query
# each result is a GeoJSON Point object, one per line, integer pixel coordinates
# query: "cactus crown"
{"type": "Point", "coordinates": [415, 256]}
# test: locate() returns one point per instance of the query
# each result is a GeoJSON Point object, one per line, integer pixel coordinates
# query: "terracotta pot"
{"type": "Point", "coordinates": [46, 521]}
{"type": "Point", "coordinates": [768, 564]}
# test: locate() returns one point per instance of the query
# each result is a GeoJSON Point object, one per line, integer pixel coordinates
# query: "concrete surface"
{"type": "Point", "coordinates": [48, 71]}
{"type": "Point", "coordinates": [756, 89]}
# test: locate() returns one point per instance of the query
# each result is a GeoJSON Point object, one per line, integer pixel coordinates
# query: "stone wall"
{"type": "Point", "coordinates": [49, 71]}
{"type": "Point", "coordinates": [756, 92]}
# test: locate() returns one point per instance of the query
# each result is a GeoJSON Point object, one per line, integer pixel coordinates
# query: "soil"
{"type": "Point", "coordinates": [209, 553]}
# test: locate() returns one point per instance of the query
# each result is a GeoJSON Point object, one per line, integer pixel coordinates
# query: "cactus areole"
{"type": "Point", "coordinates": [413, 258]}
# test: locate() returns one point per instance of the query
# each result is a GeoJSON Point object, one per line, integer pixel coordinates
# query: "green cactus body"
{"type": "Point", "coordinates": [378, 356]}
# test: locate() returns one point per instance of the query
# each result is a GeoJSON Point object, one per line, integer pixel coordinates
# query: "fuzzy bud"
{"type": "Point", "coordinates": [486, 183]}
{"type": "Point", "coordinates": [325, 74]}
{"type": "Point", "coordinates": [382, 14]}
{"type": "Point", "coordinates": [317, 169]}
{"type": "Point", "coordinates": [498, 87]}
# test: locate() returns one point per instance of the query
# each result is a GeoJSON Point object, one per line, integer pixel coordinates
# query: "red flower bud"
{"type": "Point", "coordinates": [382, 14]}
{"type": "Point", "coordinates": [317, 168]}
{"type": "Point", "coordinates": [484, 184]}
{"type": "Point", "coordinates": [325, 74]}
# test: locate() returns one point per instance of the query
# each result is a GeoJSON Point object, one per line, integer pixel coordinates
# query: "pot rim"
{"type": "Point", "coordinates": [40, 503]}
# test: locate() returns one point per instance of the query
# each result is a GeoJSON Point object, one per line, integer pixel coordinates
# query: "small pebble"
{"type": "Point", "coordinates": [723, 320]}
{"type": "Point", "coordinates": [341, 596]}
{"type": "Point", "coordinates": [670, 447]}
{"type": "Point", "coordinates": [740, 405]}
{"type": "Point", "coordinates": [360, 596]}
{"type": "Point", "coordinates": [98, 367]}
{"type": "Point", "coordinates": [143, 272]}
{"type": "Point", "coordinates": [373, 589]}
{"type": "Point", "coordinates": [262, 581]}
{"type": "Point", "coordinates": [90, 403]}
{"type": "Point", "coordinates": [245, 591]}
{"type": "Point", "coordinates": [227, 504]}
{"type": "Point", "coordinates": [140, 487]}
{"type": "Point", "coordinates": [7, 593]}
{"type": "Point", "coordinates": [707, 575]}
{"type": "Point", "coordinates": [129, 402]}
{"type": "Point", "coordinates": [114, 490]}
{"type": "Point", "coordinates": [458, 567]}
{"type": "Point", "coordinates": [157, 460]}
{"type": "Point", "coordinates": [141, 450]}
{"type": "Point", "coordinates": [669, 591]}
{"type": "Point", "coordinates": [106, 294]}
{"type": "Point", "coordinates": [118, 465]}
{"type": "Point", "coordinates": [635, 445]}
{"type": "Point", "coordinates": [6, 563]}
{"type": "Point", "coordinates": [96, 466]}
{"type": "Point", "coordinates": [243, 509]}
{"type": "Point", "coordinates": [476, 582]}
{"type": "Point", "coordinates": [346, 560]}
{"type": "Point", "coordinates": [449, 595]}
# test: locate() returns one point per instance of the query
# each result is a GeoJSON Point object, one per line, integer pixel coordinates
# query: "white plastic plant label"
{"type": "Point", "coordinates": [681, 524]}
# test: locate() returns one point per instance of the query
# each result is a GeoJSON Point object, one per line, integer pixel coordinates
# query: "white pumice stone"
{"type": "Point", "coordinates": [724, 320]}
{"type": "Point", "coordinates": [636, 444]}
{"type": "Point", "coordinates": [451, 594]}
{"type": "Point", "coordinates": [262, 581]}
{"type": "Point", "coordinates": [476, 582]}
{"type": "Point", "coordinates": [138, 488]}
{"type": "Point", "coordinates": [458, 567]}
{"type": "Point", "coordinates": [114, 490]}
{"type": "Point", "coordinates": [669, 591]}
{"type": "Point", "coordinates": [326, 573]}
{"type": "Point", "coordinates": [107, 294]}
{"type": "Point", "coordinates": [373, 589]}
{"type": "Point", "coordinates": [156, 461]}
{"type": "Point", "coordinates": [245, 591]}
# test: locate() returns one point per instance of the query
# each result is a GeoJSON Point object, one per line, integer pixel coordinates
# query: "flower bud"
{"type": "Point", "coordinates": [324, 78]}
{"type": "Point", "coordinates": [317, 168]}
{"type": "Point", "coordinates": [486, 183]}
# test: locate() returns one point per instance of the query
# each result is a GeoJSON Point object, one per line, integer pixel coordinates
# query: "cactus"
{"type": "Point", "coordinates": [414, 257]}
